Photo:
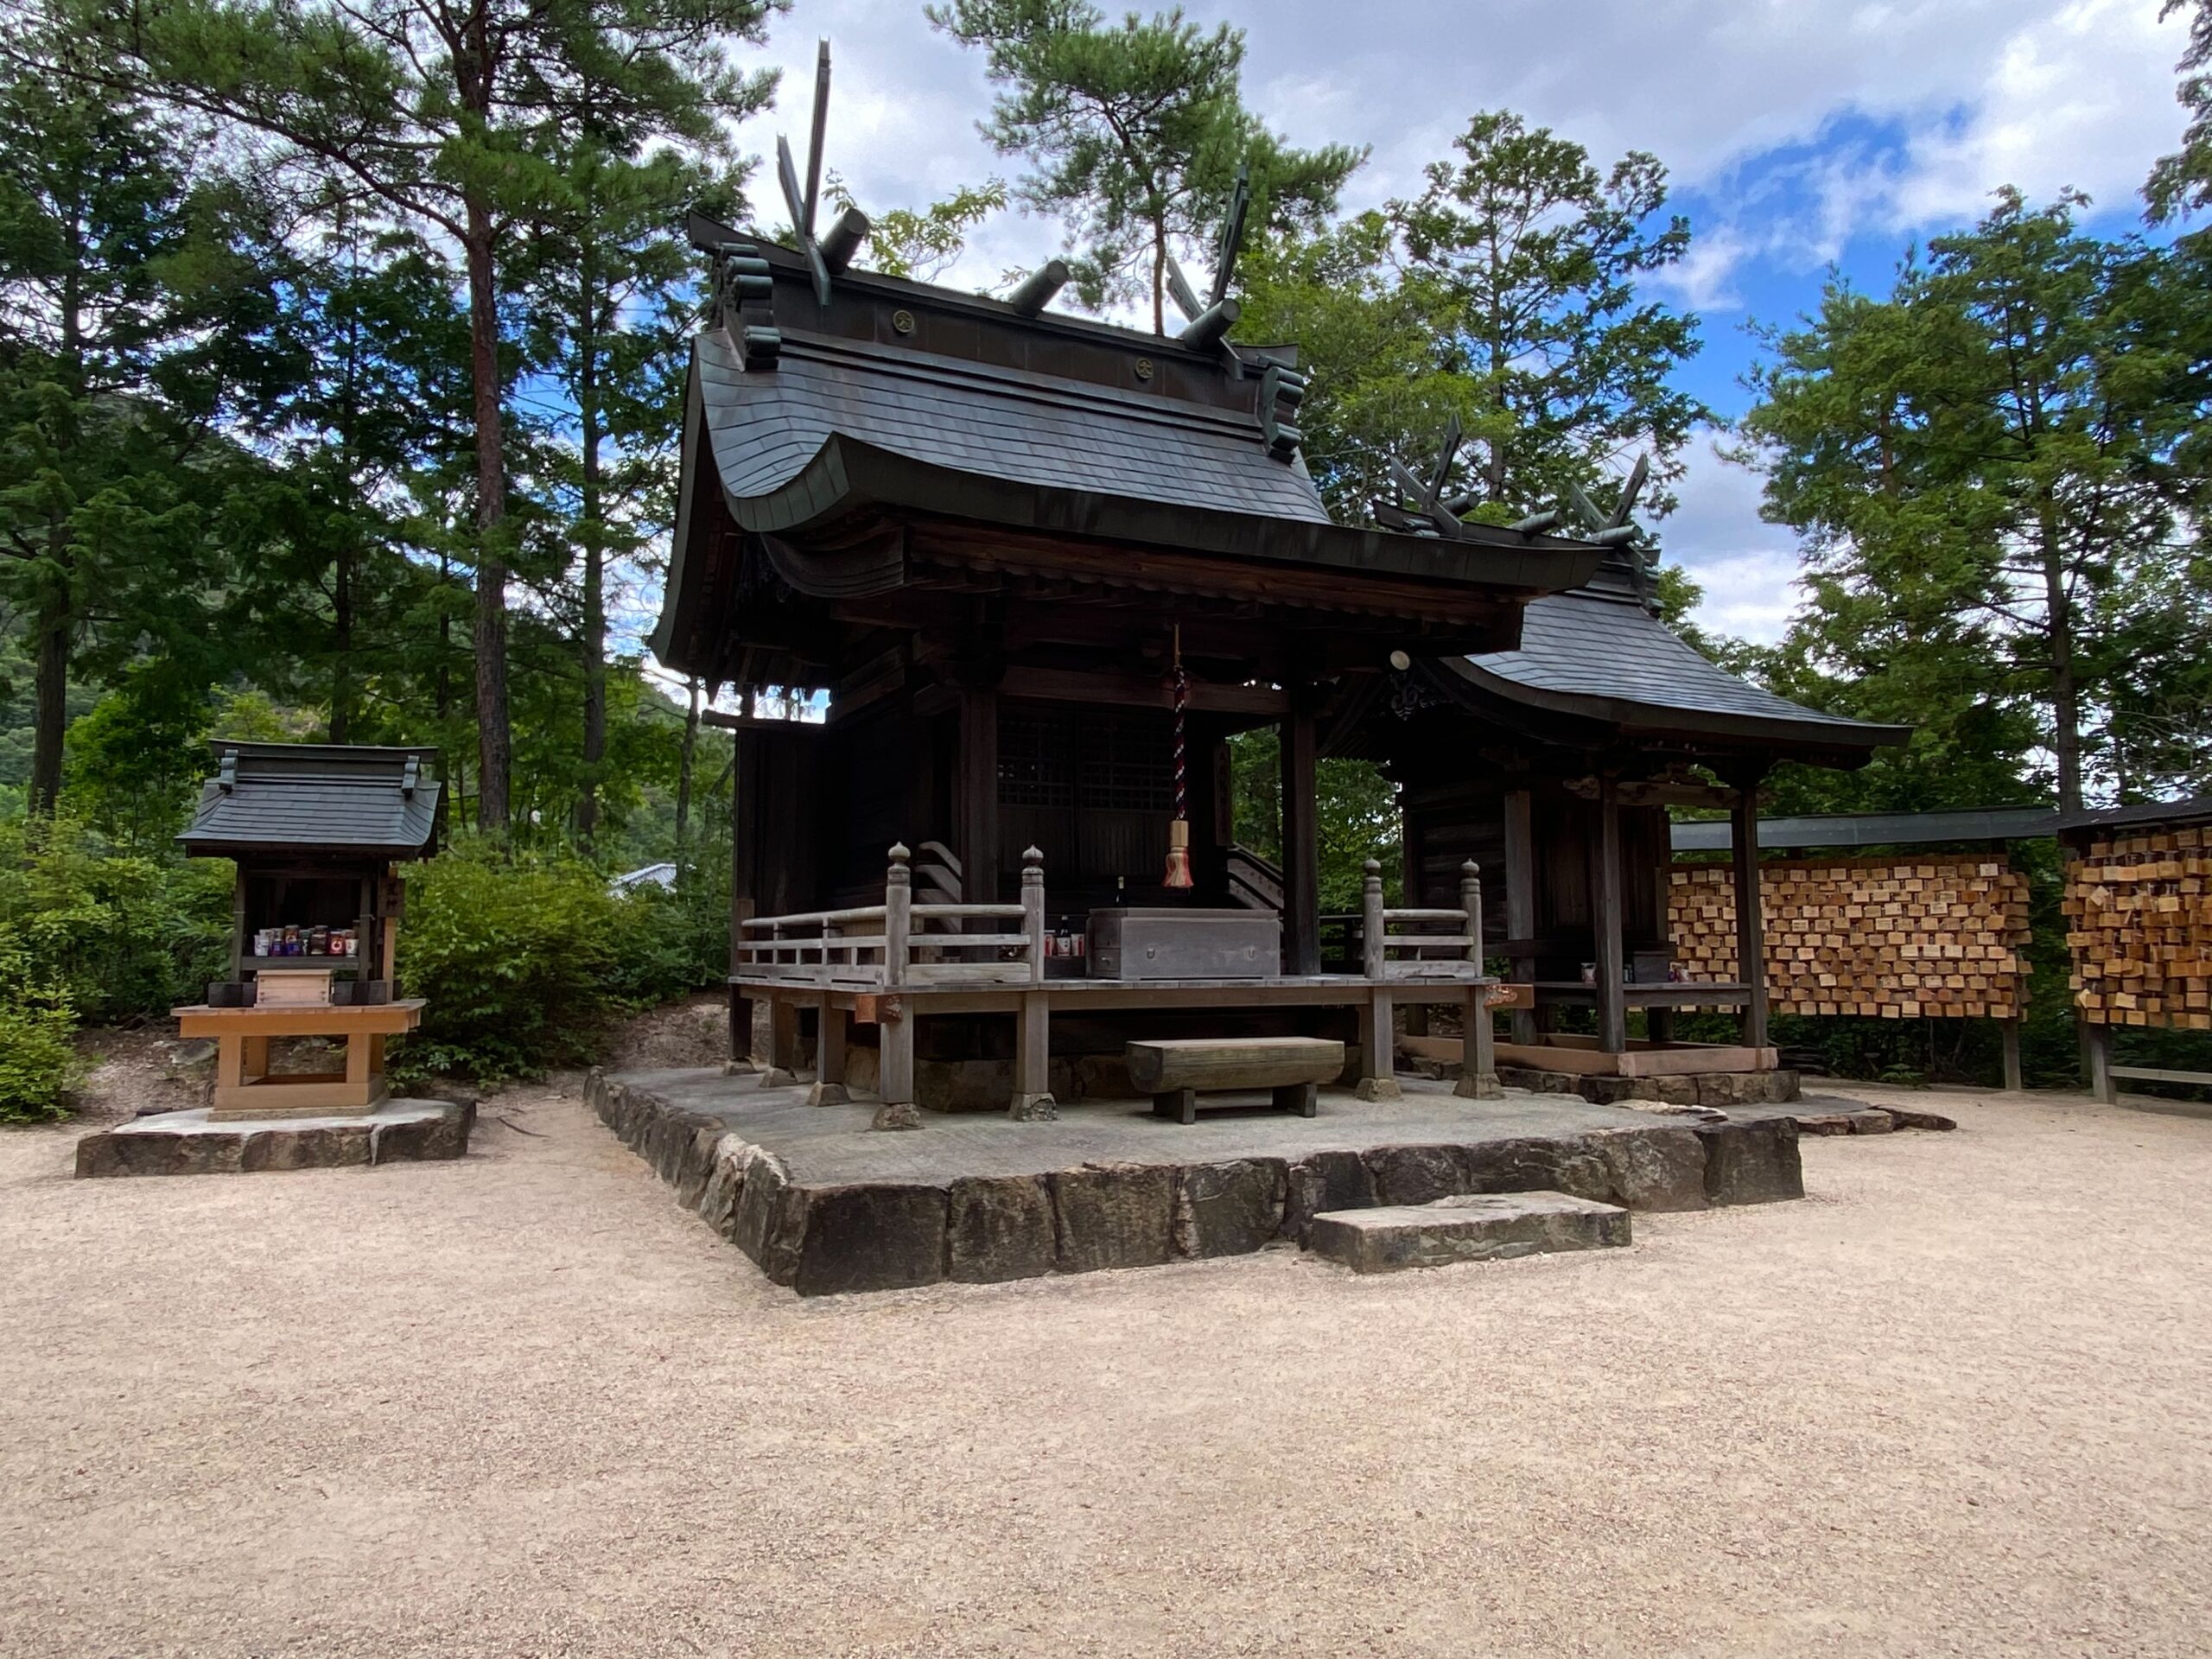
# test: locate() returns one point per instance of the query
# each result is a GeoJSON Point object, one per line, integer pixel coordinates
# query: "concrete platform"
{"type": "Point", "coordinates": [824, 1205]}
{"type": "Point", "coordinates": [1468, 1227]}
{"type": "Point", "coordinates": [189, 1143]}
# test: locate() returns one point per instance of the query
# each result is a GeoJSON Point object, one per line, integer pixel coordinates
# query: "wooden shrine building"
{"type": "Point", "coordinates": [1044, 568]}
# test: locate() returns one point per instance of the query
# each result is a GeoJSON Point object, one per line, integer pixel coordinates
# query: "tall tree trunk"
{"type": "Point", "coordinates": [341, 643]}
{"type": "Point", "coordinates": [1159, 279]}
{"type": "Point", "coordinates": [2065, 688]}
{"type": "Point", "coordinates": [684, 769]}
{"type": "Point", "coordinates": [50, 698]}
{"type": "Point", "coordinates": [594, 643]}
{"type": "Point", "coordinates": [494, 743]}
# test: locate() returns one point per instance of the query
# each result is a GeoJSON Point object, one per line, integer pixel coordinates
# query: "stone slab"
{"type": "Point", "coordinates": [824, 1206]}
{"type": "Point", "coordinates": [1467, 1227]}
{"type": "Point", "coordinates": [190, 1143]}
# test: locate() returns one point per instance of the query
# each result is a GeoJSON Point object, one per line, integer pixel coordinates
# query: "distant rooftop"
{"type": "Point", "coordinates": [1878, 829]}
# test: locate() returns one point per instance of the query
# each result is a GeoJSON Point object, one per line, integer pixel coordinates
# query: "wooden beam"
{"type": "Point", "coordinates": [978, 804]}
{"type": "Point", "coordinates": [1074, 685]}
{"type": "Point", "coordinates": [1301, 846]}
{"type": "Point", "coordinates": [1605, 922]}
{"type": "Point", "coordinates": [1751, 916]}
{"type": "Point", "coordinates": [1521, 899]}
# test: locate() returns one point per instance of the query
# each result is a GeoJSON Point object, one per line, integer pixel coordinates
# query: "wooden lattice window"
{"type": "Point", "coordinates": [1093, 760]}
{"type": "Point", "coordinates": [1036, 759]}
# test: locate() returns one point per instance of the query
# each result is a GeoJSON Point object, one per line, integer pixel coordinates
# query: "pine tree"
{"type": "Point", "coordinates": [444, 114]}
{"type": "Point", "coordinates": [1529, 257]}
{"type": "Point", "coordinates": [1135, 131]}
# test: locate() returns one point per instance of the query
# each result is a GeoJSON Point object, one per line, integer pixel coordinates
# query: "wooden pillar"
{"type": "Point", "coordinates": [1750, 915]}
{"type": "Point", "coordinates": [1478, 1050]}
{"type": "Point", "coordinates": [1520, 898]}
{"type": "Point", "coordinates": [1301, 844]}
{"type": "Point", "coordinates": [1378, 1041]}
{"type": "Point", "coordinates": [1033, 1035]}
{"type": "Point", "coordinates": [744, 867]}
{"type": "Point", "coordinates": [1410, 866]}
{"type": "Point", "coordinates": [1605, 919]}
{"type": "Point", "coordinates": [979, 795]}
{"type": "Point", "coordinates": [2102, 1084]}
{"type": "Point", "coordinates": [829, 1057]}
{"type": "Point", "coordinates": [786, 1044]}
{"type": "Point", "coordinates": [2015, 1078]}
{"type": "Point", "coordinates": [1378, 1044]}
{"type": "Point", "coordinates": [896, 1080]}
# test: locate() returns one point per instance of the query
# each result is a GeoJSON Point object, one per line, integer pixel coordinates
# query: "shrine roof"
{"type": "Point", "coordinates": [1597, 652]}
{"type": "Point", "coordinates": [317, 799]}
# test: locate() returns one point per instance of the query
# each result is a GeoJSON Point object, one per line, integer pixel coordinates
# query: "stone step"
{"type": "Point", "coordinates": [1469, 1227]}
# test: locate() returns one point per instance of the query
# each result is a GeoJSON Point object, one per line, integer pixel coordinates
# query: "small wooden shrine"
{"type": "Point", "coordinates": [1044, 569]}
{"type": "Point", "coordinates": [316, 832]}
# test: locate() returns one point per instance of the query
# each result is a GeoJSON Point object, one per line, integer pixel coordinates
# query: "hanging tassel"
{"type": "Point", "coordinates": [1179, 831]}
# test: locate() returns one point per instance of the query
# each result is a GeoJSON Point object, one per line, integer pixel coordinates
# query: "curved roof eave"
{"type": "Point", "coordinates": [1815, 731]}
{"type": "Point", "coordinates": [847, 474]}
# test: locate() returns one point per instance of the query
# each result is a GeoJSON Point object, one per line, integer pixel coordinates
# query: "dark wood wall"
{"type": "Point", "coordinates": [1446, 826]}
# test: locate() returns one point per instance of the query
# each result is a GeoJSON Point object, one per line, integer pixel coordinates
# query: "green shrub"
{"type": "Point", "coordinates": [525, 964]}
{"type": "Point", "coordinates": [38, 1063]}
{"type": "Point", "coordinates": [114, 936]}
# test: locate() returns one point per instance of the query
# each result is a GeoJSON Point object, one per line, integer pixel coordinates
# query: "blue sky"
{"type": "Point", "coordinates": [1799, 134]}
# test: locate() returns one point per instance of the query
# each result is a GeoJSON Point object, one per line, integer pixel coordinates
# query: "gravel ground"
{"type": "Point", "coordinates": [1954, 1402]}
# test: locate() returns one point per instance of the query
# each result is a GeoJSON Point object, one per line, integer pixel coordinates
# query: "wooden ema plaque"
{"type": "Point", "coordinates": [2138, 911]}
{"type": "Point", "coordinates": [1893, 939]}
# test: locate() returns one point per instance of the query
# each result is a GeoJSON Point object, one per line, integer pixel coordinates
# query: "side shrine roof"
{"type": "Point", "coordinates": [317, 798]}
{"type": "Point", "coordinates": [1597, 654]}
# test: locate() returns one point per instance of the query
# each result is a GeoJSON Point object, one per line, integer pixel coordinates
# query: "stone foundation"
{"type": "Point", "coordinates": [187, 1143]}
{"type": "Point", "coordinates": [1692, 1089]}
{"type": "Point", "coordinates": [824, 1238]}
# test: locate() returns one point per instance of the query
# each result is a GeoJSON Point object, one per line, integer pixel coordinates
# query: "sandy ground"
{"type": "Point", "coordinates": [1954, 1402]}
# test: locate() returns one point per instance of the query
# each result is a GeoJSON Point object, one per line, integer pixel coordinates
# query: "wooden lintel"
{"type": "Point", "coordinates": [1074, 685]}
{"type": "Point", "coordinates": [754, 723]}
{"type": "Point", "coordinates": [1656, 792]}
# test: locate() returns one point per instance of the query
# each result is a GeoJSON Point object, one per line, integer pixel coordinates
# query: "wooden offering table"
{"type": "Point", "coordinates": [246, 1088]}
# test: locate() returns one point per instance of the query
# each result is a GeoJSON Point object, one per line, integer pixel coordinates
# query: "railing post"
{"type": "Point", "coordinates": [898, 915]}
{"type": "Point", "coordinates": [1033, 1044]}
{"type": "Point", "coordinates": [1032, 911]}
{"type": "Point", "coordinates": [1373, 954]}
{"type": "Point", "coordinates": [895, 1071]}
{"type": "Point", "coordinates": [1479, 1049]}
{"type": "Point", "coordinates": [1471, 901]}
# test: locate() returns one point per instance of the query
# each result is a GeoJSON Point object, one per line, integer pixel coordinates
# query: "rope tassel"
{"type": "Point", "coordinates": [1179, 831]}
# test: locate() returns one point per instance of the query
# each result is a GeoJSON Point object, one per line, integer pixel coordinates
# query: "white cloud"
{"type": "Point", "coordinates": [1746, 566]}
{"type": "Point", "coordinates": [2081, 97]}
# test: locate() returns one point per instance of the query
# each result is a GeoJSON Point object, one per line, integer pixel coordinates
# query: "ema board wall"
{"type": "Point", "coordinates": [2139, 910]}
{"type": "Point", "coordinates": [1876, 936]}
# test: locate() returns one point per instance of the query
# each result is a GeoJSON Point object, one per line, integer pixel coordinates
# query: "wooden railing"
{"type": "Point", "coordinates": [1401, 943]}
{"type": "Point", "coordinates": [900, 942]}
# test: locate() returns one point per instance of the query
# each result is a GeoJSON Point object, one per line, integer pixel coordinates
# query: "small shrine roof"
{"type": "Point", "coordinates": [317, 799]}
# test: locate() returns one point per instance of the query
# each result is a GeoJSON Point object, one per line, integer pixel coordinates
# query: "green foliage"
{"type": "Point", "coordinates": [113, 935]}
{"type": "Point", "coordinates": [525, 962]}
{"type": "Point", "coordinates": [38, 1062]}
{"type": "Point", "coordinates": [1135, 132]}
{"type": "Point", "coordinates": [1991, 470]}
{"type": "Point", "coordinates": [1529, 257]}
{"type": "Point", "coordinates": [2180, 184]}
{"type": "Point", "coordinates": [1355, 813]}
{"type": "Point", "coordinates": [902, 242]}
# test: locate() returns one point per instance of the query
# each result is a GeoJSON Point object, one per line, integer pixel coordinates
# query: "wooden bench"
{"type": "Point", "coordinates": [1175, 1072]}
